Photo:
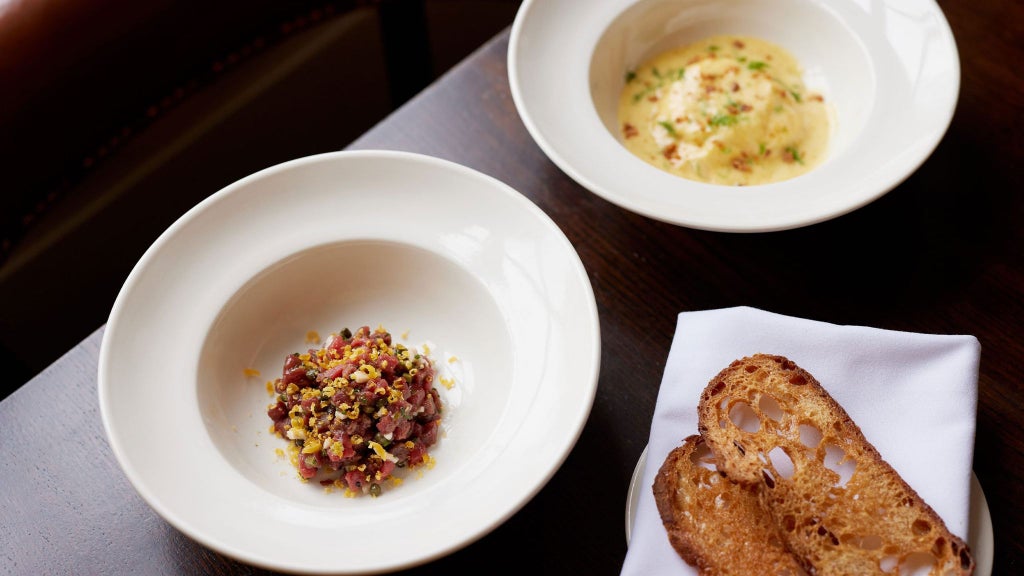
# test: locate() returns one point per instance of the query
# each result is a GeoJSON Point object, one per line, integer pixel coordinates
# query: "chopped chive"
{"type": "Point", "coordinates": [656, 73]}
{"type": "Point", "coordinates": [796, 96]}
{"type": "Point", "coordinates": [669, 128]}
{"type": "Point", "coordinates": [630, 76]}
{"type": "Point", "coordinates": [795, 154]}
{"type": "Point", "coordinates": [756, 65]}
{"type": "Point", "coordinates": [713, 48]}
{"type": "Point", "coordinates": [723, 120]}
{"type": "Point", "coordinates": [761, 148]}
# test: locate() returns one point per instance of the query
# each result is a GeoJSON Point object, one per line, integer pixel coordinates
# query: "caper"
{"type": "Point", "coordinates": [374, 490]}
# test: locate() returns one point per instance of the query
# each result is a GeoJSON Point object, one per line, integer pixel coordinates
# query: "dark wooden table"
{"type": "Point", "coordinates": [942, 253]}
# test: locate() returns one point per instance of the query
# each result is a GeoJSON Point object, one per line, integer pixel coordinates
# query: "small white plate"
{"type": "Point", "coordinates": [980, 524]}
{"type": "Point", "coordinates": [433, 251]}
{"type": "Point", "coordinates": [889, 68]}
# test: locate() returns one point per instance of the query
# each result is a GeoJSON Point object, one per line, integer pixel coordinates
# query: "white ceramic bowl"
{"type": "Point", "coordinates": [434, 252]}
{"type": "Point", "coordinates": [889, 68]}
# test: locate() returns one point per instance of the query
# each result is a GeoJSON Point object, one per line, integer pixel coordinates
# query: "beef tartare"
{"type": "Point", "coordinates": [357, 409]}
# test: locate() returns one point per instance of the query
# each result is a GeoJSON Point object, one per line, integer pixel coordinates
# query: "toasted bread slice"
{"type": "Point", "coordinates": [842, 509]}
{"type": "Point", "coordinates": [713, 523]}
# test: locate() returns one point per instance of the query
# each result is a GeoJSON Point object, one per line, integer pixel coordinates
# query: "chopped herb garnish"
{"type": "Point", "coordinates": [756, 65]}
{"type": "Point", "coordinates": [761, 148]}
{"type": "Point", "coordinates": [713, 48]}
{"type": "Point", "coordinates": [680, 73]}
{"type": "Point", "coordinates": [630, 76]}
{"type": "Point", "coordinates": [795, 94]}
{"type": "Point", "coordinates": [792, 151]}
{"type": "Point", "coordinates": [669, 128]}
{"type": "Point", "coordinates": [723, 120]}
{"type": "Point", "coordinates": [656, 73]}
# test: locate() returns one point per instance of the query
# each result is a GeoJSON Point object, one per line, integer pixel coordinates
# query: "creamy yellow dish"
{"type": "Point", "coordinates": [726, 110]}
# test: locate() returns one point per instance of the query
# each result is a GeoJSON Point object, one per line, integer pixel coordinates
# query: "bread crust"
{"type": "Point", "coordinates": [714, 524]}
{"type": "Point", "coordinates": [840, 507]}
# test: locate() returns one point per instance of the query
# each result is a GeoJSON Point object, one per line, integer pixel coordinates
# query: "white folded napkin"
{"type": "Point", "coordinates": [913, 395]}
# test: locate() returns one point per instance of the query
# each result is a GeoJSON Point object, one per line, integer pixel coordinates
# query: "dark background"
{"type": "Point", "coordinates": [126, 114]}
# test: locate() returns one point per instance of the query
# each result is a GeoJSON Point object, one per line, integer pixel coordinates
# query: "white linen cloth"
{"type": "Point", "coordinates": [914, 396]}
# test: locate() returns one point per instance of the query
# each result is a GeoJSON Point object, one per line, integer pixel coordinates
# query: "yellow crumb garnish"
{"type": "Point", "coordinates": [249, 372]}
{"type": "Point", "coordinates": [452, 359]}
{"type": "Point", "coordinates": [379, 450]}
{"type": "Point", "coordinates": [270, 387]}
{"type": "Point", "coordinates": [312, 337]}
{"type": "Point", "coordinates": [448, 383]}
{"type": "Point", "coordinates": [396, 481]}
{"type": "Point", "coordinates": [279, 453]}
{"type": "Point", "coordinates": [405, 335]}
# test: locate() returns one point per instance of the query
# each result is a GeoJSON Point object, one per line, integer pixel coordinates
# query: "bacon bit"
{"type": "Point", "coordinates": [731, 109]}
{"type": "Point", "coordinates": [746, 107]}
{"type": "Point", "coordinates": [710, 88]}
{"type": "Point", "coordinates": [817, 97]}
{"type": "Point", "coordinates": [719, 145]}
{"type": "Point", "coordinates": [735, 87]}
{"type": "Point", "coordinates": [671, 152]}
{"type": "Point", "coordinates": [742, 162]}
{"type": "Point", "coordinates": [629, 131]}
{"type": "Point", "coordinates": [767, 152]}
{"type": "Point", "coordinates": [738, 44]}
{"type": "Point", "coordinates": [740, 165]}
{"type": "Point", "coordinates": [787, 156]}
{"type": "Point", "coordinates": [652, 98]}
{"type": "Point", "coordinates": [694, 60]}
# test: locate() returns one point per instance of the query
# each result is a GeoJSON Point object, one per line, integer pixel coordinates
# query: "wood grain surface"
{"type": "Point", "coordinates": [942, 253]}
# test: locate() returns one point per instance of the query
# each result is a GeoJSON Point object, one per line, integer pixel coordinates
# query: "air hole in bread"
{"type": "Point", "coordinates": [939, 548]}
{"type": "Point", "coordinates": [810, 436]}
{"type": "Point", "coordinates": [750, 368]}
{"type": "Point", "coordinates": [920, 527]}
{"type": "Point", "coordinates": [797, 380]}
{"type": "Point", "coordinates": [744, 417]}
{"type": "Point", "coordinates": [789, 522]}
{"type": "Point", "coordinates": [835, 461]}
{"type": "Point", "coordinates": [768, 480]}
{"type": "Point", "coordinates": [781, 462]}
{"type": "Point", "coordinates": [739, 447]}
{"type": "Point", "coordinates": [718, 387]}
{"type": "Point", "coordinates": [917, 564]}
{"type": "Point", "coordinates": [965, 559]}
{"type": "Point", "coordinates": [770, 407]}
{"type": "Point", "coordinates": [888, 564]}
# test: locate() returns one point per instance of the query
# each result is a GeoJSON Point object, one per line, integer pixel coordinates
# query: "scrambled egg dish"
{"type": "Point", "coordinates": [727, 110]}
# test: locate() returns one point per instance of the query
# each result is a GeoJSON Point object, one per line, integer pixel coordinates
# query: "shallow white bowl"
{"type": "Point", "coordinates": [427, 248]}
{"type": "Point", "coordinates": [889, 68]}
